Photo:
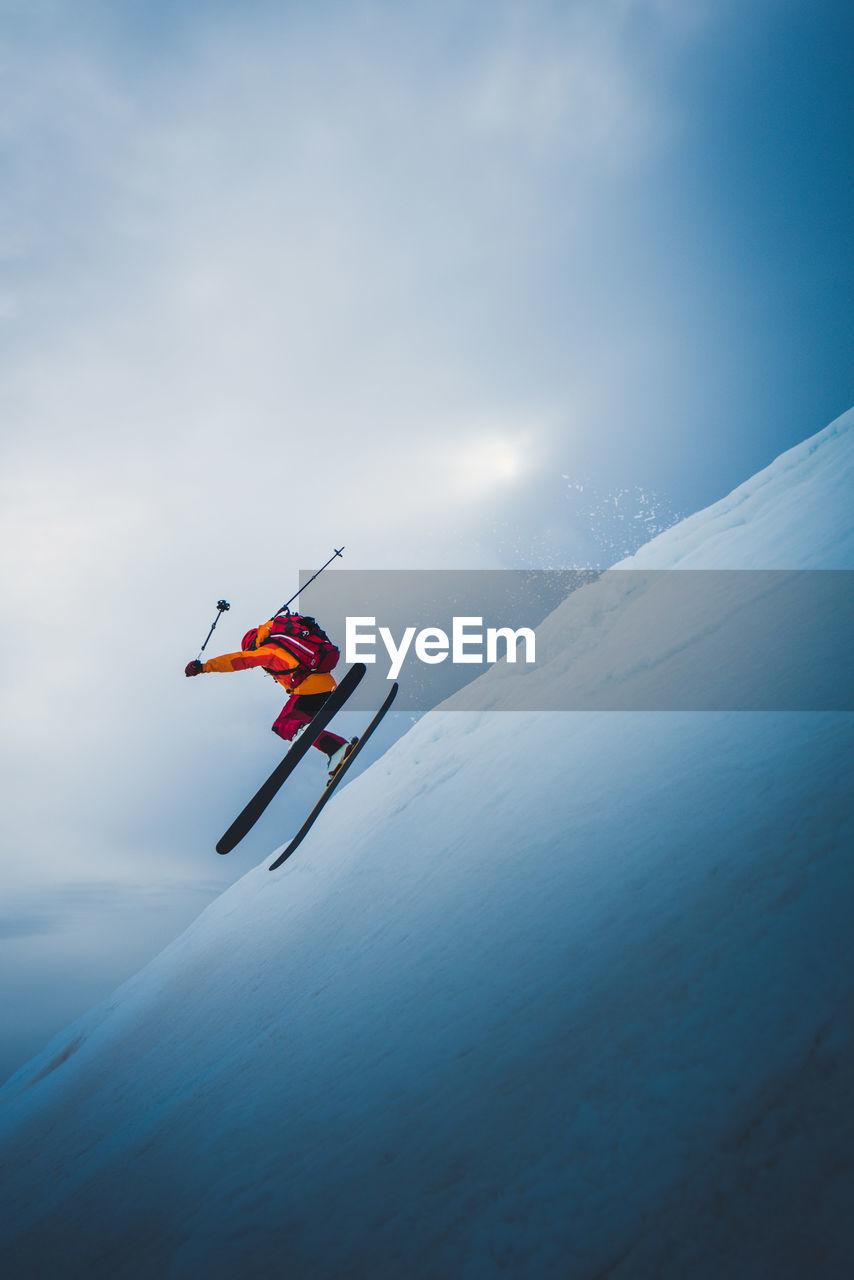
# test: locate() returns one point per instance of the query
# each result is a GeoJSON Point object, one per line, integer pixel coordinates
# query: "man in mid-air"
{"type": "Point", "coordinates": [300, 657]}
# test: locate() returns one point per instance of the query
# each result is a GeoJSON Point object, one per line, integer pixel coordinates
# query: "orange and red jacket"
{"type": "Point", "coordinates": [273, 658]}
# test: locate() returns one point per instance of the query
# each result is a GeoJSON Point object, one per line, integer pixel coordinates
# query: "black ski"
{"type": "Point", "coordinates": [333, 782]}
{"type": "Point", "coordinates": [246, 820]}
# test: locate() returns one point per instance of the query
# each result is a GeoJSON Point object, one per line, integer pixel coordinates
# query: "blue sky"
{"type": "Point", "coordinates": [278, 277]}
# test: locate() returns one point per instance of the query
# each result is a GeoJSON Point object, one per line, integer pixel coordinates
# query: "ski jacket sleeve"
{"type": "Point", "coordinates": [277, 661]}
{"type": "Point", "coordinates": [270, 656]}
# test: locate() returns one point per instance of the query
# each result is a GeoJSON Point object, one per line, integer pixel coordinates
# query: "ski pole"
{"type": "Point", "coordinates": [338, 551]}
{"type": "Point", "coordinates": [222, 606]}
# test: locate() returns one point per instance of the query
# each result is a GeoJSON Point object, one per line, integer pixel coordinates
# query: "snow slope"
{"type": "Point", "coordinates": [552, 994]}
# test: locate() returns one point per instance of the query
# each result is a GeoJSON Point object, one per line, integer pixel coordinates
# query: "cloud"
{"type": "Point", "coordinates": [303, 236]}
{"type": "Point", "coordinates": [25, 926]}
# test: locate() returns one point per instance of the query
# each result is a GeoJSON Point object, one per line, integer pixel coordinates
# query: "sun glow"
{"type": "Point", "coordinates": [485, 463]}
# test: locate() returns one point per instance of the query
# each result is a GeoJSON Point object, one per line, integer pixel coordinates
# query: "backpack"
{"type": "Point", "coordinates": [301, 637]}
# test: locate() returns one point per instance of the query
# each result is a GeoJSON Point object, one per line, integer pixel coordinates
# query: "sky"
{"type": "Point", "coordinates": [278, 277]}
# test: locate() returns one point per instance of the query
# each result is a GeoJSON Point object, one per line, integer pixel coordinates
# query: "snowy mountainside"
{"type": "Point", "coordinates": [791, 515]}
{"type": "Point", "coordinates": [544, 994]}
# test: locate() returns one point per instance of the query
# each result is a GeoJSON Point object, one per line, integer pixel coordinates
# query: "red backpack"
{"type": "Point", "coordinates": [300, 636]}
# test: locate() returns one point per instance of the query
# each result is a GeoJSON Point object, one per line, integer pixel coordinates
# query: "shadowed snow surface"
{"type": "Point", "coordinates": [553, 994]}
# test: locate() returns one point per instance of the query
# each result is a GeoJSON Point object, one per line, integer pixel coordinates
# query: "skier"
{"type": "Point", "coordinates": [300, 657]}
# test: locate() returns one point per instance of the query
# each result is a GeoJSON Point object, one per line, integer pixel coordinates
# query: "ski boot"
{"type": "Point", "coordinates": [337, 757]}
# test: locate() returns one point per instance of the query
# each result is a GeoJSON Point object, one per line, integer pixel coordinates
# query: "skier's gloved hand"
{"type": "Point", "coordinates": [193, 668]}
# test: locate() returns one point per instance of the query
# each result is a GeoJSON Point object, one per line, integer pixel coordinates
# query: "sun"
{"type": "Point", "coordinates": [506, 465]}
{"type": "Point", "coordinates": [486, 462]}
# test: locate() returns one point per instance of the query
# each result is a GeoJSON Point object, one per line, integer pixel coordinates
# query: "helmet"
{"type": "Point", "coordinates": [248, 641]}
